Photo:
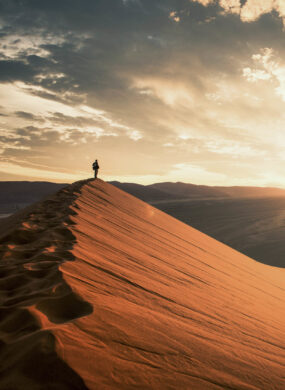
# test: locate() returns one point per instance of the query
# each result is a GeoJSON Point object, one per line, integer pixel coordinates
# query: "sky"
{"type": "Point", "coordinates": [156, 90]}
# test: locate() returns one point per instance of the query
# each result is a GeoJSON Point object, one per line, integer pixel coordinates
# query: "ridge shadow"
{"type": "Point", "coordinates": [33, 245]}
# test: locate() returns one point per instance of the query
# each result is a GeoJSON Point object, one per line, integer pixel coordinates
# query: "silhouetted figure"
{"type": "Point", "coordinates": [95, 167]}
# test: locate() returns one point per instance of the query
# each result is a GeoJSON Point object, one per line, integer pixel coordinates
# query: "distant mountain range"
{"type": "Point", "coordinates": [173, 191]}
{"type": "Point", "coordinates": [18, 194]}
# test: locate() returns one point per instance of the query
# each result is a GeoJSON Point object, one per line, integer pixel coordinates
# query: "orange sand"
{"type": "Point", "coordinates": [100, 290]}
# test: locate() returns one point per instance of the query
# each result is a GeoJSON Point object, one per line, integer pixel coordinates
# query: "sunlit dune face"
{"type": "Point", "coordinates": [150, 212]}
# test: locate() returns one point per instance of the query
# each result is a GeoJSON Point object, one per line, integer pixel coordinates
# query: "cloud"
{"type": "Point", "coordinates": [251, 10]}
{"type": "Point", "coordinates": [174, 16]}
{"type": "Point", "coordinates": [254, 75]}
{"type": "Point", "coordinates": [170, 92]}
{"type": "Point", "coordinates": [15, 70]}
{"type": "Point", "coordinates": [234, 148]}
{"type": "Point", "coordinates": [273, 68]}
{"type": "Point", "coordinates": [13, 46]}
{"type": "Point", "coordinates": [204, 2]}
{"type": "Point", "coordinates": [57, 114]}
{"type": "Point", "coordinates": [26, 115]}
{"type": "Point", "coordinates": [143, 85]}
{"type": "Point", "coordinates": [230, 6]}
{"type": "Point", "coordinates": [12, 168]}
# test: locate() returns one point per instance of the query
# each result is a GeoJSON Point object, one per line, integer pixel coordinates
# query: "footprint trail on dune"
{"type": "Point", "coordinates": [34, 293]}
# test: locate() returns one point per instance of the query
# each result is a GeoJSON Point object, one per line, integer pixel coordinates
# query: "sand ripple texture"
{"type": "Point", "coordinates": [100, 290]}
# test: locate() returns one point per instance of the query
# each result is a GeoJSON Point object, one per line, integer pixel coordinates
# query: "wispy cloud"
{"type": "Point", "coordinates": [273, 68]}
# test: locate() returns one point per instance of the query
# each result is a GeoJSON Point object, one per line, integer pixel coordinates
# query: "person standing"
{"type": "Point", "coordinates": [95, 167]}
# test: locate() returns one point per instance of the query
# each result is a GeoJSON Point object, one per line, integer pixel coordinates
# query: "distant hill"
{"type": "Point", "coordinates": [146, 193]}
{"type": "Point", "coordinates": [169, 191]}
{"type": "Point", "coordinates": [174, 191]}
{"type": "Point", "coordinates": [15, 195]}
{"type": "Point", "coordinates": [185, 190]}
{"type": "Point", "coordinates": [18, 194]}
{"type": "Point", "coordinates": [252, 192]}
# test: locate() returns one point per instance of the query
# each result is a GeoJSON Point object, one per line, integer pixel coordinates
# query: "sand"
{"type": "Point", "coordinates": [100, 290]}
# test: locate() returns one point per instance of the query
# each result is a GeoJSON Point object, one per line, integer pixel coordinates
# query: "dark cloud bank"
{"type": "Point", "coordinates": [97, 52]}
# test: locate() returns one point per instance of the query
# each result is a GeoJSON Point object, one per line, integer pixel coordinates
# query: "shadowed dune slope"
{"type": "Point", "coordinates": [102, 291]}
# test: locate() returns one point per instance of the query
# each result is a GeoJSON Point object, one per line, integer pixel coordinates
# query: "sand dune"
{"type": "Point", "coordinates": [100, 290]}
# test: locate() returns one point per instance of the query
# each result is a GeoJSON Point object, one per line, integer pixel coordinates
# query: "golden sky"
{"type": "Point", "coordinates": [157, 90]}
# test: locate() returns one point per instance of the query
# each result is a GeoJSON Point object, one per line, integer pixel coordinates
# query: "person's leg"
{"type": "Point", "coordinates": [96, 173]}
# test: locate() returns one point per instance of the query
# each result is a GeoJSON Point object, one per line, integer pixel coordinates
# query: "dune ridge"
{"type": "Point", "coordinates": [34, 295]}
{"type": "Point", "coordinates": [118, 295]}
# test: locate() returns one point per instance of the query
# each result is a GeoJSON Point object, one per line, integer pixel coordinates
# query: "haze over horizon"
{"type": "Point", "coordinates": [164, 90]}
